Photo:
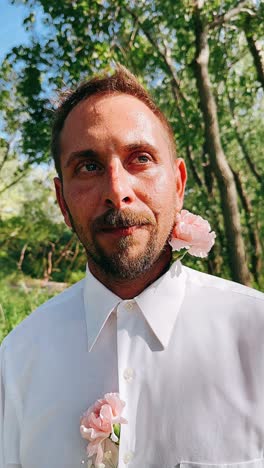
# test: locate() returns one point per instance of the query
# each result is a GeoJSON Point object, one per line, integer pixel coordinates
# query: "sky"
{"type": "Point", "coordinates": [12, 32]}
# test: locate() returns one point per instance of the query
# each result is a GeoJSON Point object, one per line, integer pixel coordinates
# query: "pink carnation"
{"type": "Point", "coordinates": [192, 232]}
{"type": "Point", "coordinates": [97, 423]}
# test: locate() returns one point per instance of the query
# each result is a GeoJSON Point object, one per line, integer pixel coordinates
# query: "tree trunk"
{"type": "Point", "coordinates": [241, 142]}
{"type": "Point", "coordinates": [224, 176]}
{"type": "Point", "coordinates": [22, 256]}
{"type": "Point", "coordinates": [252, 231]}
{"type": "Point", "coordinates": [255, 50]}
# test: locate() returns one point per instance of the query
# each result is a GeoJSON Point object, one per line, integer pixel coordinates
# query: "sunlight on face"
{"type": "Point", "coordinates": [121, 189]}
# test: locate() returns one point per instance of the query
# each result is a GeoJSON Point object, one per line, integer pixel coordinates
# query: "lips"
{"type": "Point", "coordinates": [121, 230]}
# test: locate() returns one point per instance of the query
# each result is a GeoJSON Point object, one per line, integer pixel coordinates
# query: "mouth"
{"type": "Point", "coordinates": [120, 230]}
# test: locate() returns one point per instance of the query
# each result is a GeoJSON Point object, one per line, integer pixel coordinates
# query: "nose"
{"type": "Point", "coordinates": [118, 188]}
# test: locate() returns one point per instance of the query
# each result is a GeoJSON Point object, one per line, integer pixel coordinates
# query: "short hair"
{"type": "Point", "coordinates": [121, 81]}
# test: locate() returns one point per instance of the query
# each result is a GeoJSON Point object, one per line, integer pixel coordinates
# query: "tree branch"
{"type": "Point", "coordinates": [225, 17]}
{"type": "Point", "coordinates": [133, 35]}
{"type": "Point", "coordinates": [2, 314]}
{"type": "Point", "coordinates": [7, 152]}
{"type": "Point", "coordinates": [12, 183]}
{"type": "Point", "coordinates": [164, 54]}
{"type": "Point", "coordinates": [22, 256]}
{"type": "Point", "coordinates": [66, 249]}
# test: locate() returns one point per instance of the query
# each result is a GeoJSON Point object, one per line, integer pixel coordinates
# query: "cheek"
{"type": "Point", "coordinates": [81, 201]}
{"type": "Point", "coordinates": [160, 193]}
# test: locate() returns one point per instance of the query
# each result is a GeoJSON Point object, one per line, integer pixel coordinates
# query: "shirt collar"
{"type": "Point", "coordinates": [99, 302]}
{"type": "Point", "coordinates": [160, 303]}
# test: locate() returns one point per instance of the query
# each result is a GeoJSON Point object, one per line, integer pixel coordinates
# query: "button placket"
{"type": "Point", "coordinates": [125, 329]}
{"type": "Point", "coordinates": [129, 374]}
{"type": "Point", "coordinates": [128, 457]}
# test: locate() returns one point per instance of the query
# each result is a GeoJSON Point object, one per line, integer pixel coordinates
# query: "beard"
{"type": "Point", "coordinates": [120, 265]}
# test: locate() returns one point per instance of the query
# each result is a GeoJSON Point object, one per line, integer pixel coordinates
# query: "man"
{"type": "Point", "coordinates": [183, 349]}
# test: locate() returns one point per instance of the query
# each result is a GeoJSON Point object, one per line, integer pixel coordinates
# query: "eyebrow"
{"type": "Point", "coordinates": [89, 153]}
{"type": "Point", "coordinates": [141, 145]}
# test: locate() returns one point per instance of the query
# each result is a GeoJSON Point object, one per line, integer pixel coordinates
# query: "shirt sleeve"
{"type": "Point", "coordinates": [9, 426]}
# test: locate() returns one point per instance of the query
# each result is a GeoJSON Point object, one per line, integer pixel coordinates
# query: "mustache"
{"type": "Point", "coordinates": [122, 219]}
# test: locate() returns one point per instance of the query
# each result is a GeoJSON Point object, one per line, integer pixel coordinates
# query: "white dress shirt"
{"type": "Point", "coordinates": [186, 355]}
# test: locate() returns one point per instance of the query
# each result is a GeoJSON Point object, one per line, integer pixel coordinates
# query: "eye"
{"type": "Point", "coordinates": [142, 158]}
{"type": "Point", "coordinates": [88, 166]}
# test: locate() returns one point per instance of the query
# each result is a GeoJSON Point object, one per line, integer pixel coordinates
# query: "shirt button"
{"type": "Point", "coordinates": [129, 305]}
{"type": "Point", "coordinates": [128, 457]}
{"type": "Point", "coordinates": [129, 374]}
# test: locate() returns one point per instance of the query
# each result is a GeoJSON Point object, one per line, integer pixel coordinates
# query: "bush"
{"type": "Point", "coordinates": [19, 297]}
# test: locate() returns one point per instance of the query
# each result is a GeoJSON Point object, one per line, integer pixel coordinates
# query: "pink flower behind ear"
{"type": "Point", "coordinates": [192, 232]}
{"type": "Point", "coordinates": [97, 423]}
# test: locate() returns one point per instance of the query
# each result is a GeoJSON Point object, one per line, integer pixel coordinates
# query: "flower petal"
{"type": "Point", "coordinates": [192, 232]}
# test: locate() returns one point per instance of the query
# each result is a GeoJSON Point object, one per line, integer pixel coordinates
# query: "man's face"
{"type": "Point", "coordinates": [121, 188]}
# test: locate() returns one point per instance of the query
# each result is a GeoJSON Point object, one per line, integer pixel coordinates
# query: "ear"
{"type": "Point", "coordinates": [61, 201]}
{"type": "Point", "coordinates": [181, 178]}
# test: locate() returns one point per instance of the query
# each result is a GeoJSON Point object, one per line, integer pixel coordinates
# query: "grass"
{"type": "Point", "coordinates": [18, 300]}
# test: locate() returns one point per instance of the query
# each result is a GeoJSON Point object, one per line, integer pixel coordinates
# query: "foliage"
{"type": "Point", "coordinates": [33, 237]}
{"type": "Point", "coordinates": [17, 301]}
{"type": "Point", "coordinates": [156, 40]}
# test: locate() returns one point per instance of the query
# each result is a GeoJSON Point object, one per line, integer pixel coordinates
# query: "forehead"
{"type": "Point", "coordinates": [119, 116]}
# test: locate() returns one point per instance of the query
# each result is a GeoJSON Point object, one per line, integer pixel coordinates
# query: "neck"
{"type": "Point", "coordinates": [129, 288]}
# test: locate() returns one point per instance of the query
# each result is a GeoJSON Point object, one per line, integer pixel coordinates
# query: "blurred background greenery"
{"type": "Point", "coordinates": [203, 62]}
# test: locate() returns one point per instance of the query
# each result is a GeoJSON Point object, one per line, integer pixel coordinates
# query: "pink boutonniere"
{"type": "Point", "coordinates": [100, 425]}
{"type": "Point", "coordinates": [193, 233]}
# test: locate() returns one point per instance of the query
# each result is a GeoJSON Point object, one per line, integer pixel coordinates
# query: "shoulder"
{"type": "Point", "coordinates": [213, 285]}
{"type": "Point", "coordinates": [47, 317]}
{"type": "Point", "coordinates": [225, 309]}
